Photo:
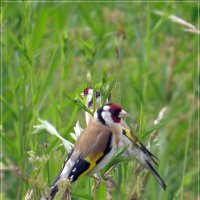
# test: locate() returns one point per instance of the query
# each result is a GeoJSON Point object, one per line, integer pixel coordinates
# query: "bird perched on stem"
{"type": "Point", "coordinates": [127, 138]}
{"type": "Point", "coordinates": [95, 147]}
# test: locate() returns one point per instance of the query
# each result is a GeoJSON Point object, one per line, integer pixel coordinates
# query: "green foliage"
{"type": "Point", "coordinates": [146, 61]}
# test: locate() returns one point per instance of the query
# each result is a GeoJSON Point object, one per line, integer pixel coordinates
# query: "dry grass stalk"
{"type": "Point", "coordinates": [154, 135]}
{"type": "Point", "coordinates": [187, 26]}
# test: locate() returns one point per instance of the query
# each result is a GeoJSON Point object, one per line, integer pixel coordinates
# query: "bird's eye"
{"type": "Point", "coordinates": [86, 91]}
{"type": "Point", "coordinates": [115, 112]}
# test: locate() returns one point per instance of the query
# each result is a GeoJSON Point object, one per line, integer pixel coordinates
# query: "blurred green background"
{"type": "Point", "coordinates": [48, 49]}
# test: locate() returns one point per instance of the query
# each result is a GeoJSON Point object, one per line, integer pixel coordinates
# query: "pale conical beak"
{"type": "Point", "coordinates": [82, 95]}
{"type": "Point", "coordinates": [123, 113]}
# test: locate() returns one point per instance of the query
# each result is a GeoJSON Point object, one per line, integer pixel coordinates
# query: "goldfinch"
{"type": "Point", "coordinates": [95, 147]}
{"type": "Point", "coordinates": [129, 139]}
{"type": "Point", "coordinates": [88, 94]}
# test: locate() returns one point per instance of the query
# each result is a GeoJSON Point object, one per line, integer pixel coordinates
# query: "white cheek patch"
{"type": "Point", "coordinates": [88, 98]}
{"type": "Point", "coordinates": [106, 108]}
{"type": "Point", "coordinates": [107, 117]}
{"type": "Point", "coordinates": [90, 92]}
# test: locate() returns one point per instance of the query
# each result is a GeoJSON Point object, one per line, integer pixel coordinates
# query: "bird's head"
{"type": "Point", "coordinates": [110, 114]}
{"type": "Point", "coordinates": [88, 94]}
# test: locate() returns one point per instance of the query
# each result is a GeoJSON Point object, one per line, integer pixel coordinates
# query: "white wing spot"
{"type": "Point", "coordinates": [74, 169]}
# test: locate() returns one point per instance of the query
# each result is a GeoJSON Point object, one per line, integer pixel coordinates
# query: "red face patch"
{"type": "Point", "coordinates": [116, 119]}
{"type": "Point", "coordinates": [115, 110]}
{"type": "Point", "coordinates": [86, 90]}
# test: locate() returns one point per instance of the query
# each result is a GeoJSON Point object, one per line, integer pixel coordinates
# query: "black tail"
{"type": "Point", "coordinates": [54, 190]}
{"type": "Point", "coordinates": [149, 154]}
{"type": "Point", "coordinates": [156, 175]}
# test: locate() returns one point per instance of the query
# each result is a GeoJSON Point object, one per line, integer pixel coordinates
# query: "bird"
{"type": "Point", "coordinates": [88, 94]}
{"type": "Point", "coordinates": [127, 138]}
{"type": "Point", "coordinates": [96, 146]}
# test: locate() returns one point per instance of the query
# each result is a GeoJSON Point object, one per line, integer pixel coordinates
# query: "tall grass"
{"type": "Point", "coordinates": [47, 51]}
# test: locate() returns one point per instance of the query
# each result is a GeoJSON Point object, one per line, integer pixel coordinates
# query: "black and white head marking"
{"type": "Point", "coordinates": [88, 93]}
{"type": "Point", "coordinates": [110, 114]}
